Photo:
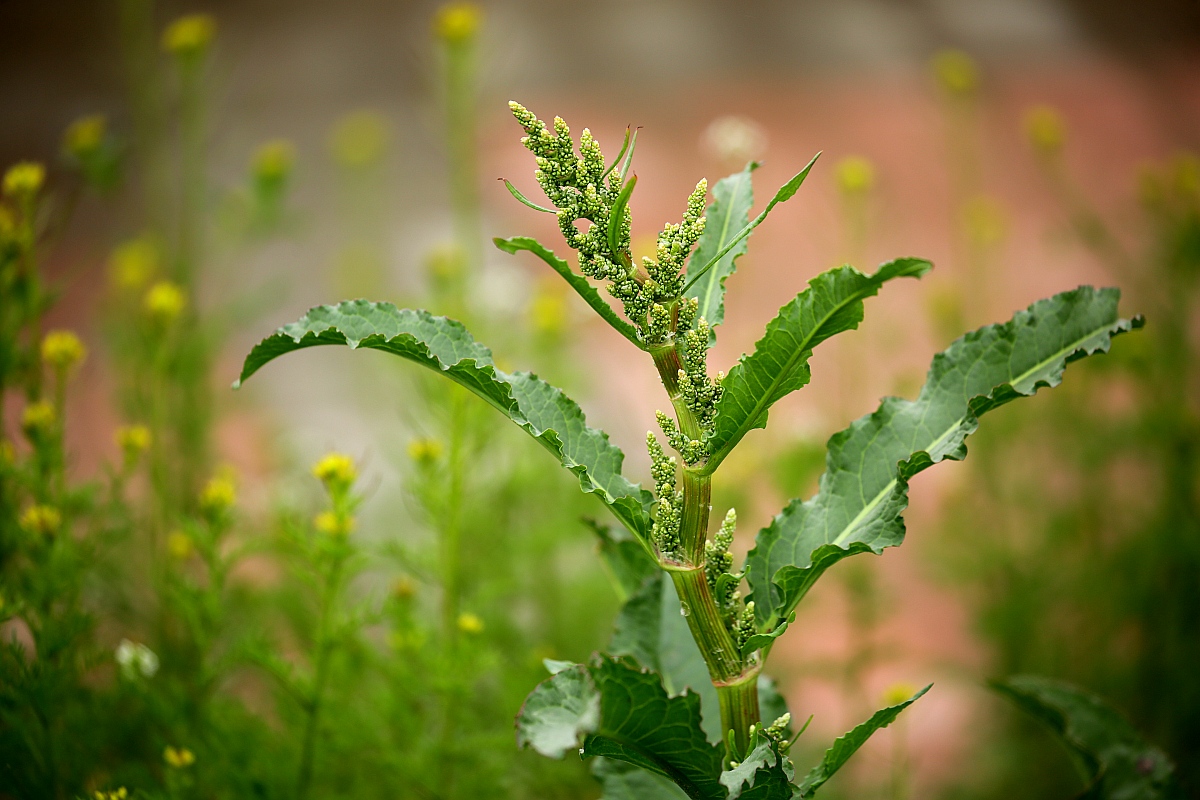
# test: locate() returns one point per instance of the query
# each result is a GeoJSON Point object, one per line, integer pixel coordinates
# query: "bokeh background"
{"type": "Point", "coordinates": [1025, 146]}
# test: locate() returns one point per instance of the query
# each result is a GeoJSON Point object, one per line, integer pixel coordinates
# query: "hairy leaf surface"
{"type": "Point", "coordinates": [864, 491]}
{"type": "Point", "coordinates": [445, 346]}
{"type": "Point", "coordinates": [728, 213]}
{"type": "Point", "coordinates": [846, 746]}
{"type": "Point", "coordinates": [1119, 764]}
{"type": "Point", "coordinates": [832, 303]}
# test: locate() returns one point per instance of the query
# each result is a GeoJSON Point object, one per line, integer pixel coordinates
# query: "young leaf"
{"type": "Point", "coordinates": [763, 775]}
{"type": "Point", "coordinates": [864, 490]}
{"type": "Point", "coordinates": [445, 346]}
{"type": "Point", "coordinates": [786, 192]}
{"type": "Point", "coordinates": [616, 220]}
{"type": "Point", "coordinates": [578, 283]}
{"type": "Point", "coordinates": [1119, 764]}
{"type": "Point", "coordinates": [727, 215]}
{"type": "Point", "coordinates": [628, 563]}
{"type": "Point", "coordinates": [846, 746]}
{"type": "Point", "coordinates": [523, 200]}
{"type": "Point", "coordinates": [832, 303]}
{"type": "Point", "coordinates": [638, 723]}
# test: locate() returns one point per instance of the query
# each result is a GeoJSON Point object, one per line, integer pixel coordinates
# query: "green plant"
{"type": "Point", "coordinates": [645, 704]}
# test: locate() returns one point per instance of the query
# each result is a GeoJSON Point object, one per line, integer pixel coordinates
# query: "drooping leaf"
{"type": "Point", "coordinates": [627, 561]}
{"type": "Point", "coordinates": [763, 775]}
{"type": "Point", "coordinates": [864, 490]}
{"type": "Point", "coordinates": [761, 640]}
{"type": "Point", "coordinates": [726, 216]}
{"type": "Point", "coordinates": [846, 746]}
{"type": "Point", "coordinates": [1119, 764]}
{"type": "Point", "coordinates": [445, 346]}
{"type": "Point", "coordinates": [832, 303]}
{"type": "Point", "coordinates": [786, 192]}
{"type": "Point", "coordinates": [638, 723]}
{"type": "Point", "coordinates": [578, 282]}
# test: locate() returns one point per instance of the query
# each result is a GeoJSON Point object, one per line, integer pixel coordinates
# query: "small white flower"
{"type": "Point", "coordinates": [134, 658]}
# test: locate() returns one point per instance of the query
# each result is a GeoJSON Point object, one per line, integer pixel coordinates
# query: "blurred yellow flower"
{"type": "Point", "coordinates": [335, 470]}
{"type": "Point", "coordinates": [180, 545]}
{"type": "Point", "coordinates": [898, 692]}
{"type": "Point", "coordinates": [165, 302]}
{"type": "Point", "coordinates": [219, 494]}
{"type": "Point", "coordinates": [359, 139]}
{"type": "Point", "coordinates": [133, 440]}
{"type": "Point", "coordinates": [446, 261]}
{"type": "Point", "coordinates": [133, 263]}
{"type": "Point", "coordinates": [855, 175]}
{"type": "Point", "coordinates": [274, 160]}
{"type": "Point", "coordinates": [62, 349]}
{"type": "Point", "coordinates": [178, 757]}
{"type": "Point", "coordinates": [334, 524]}
{"type": "Point", "coordinates": [404, 588]}
{"type": "Point", "coordinates": [116, 794]}
{"type": "Point", "coordinates": [457, 22]}
{"type": "Point", "coordinates": [84, 136]}
{"type": "Point", "coordinates": [41, 519]}
{"type": "Point", "coordinates": [955, 71]}
{"type": "Point", "coordinates": [8, 453]}
{"type": "Point", "coordinates": [985, 220]}
{"type": "Point", "coordinates": [548, 309]}
{"type": "Point", "coordinates": [1045, 129]}
{"type": "Point", "coordinates": [190, 35]}
{"type": "Point", "coordinates": [425, 452]}
{"type": "Point", "coordinates": [470, 623]}
{"type": "Point", "coordinates": [38, 418]}
{"type": "Point", "coordinates": [24, 179]}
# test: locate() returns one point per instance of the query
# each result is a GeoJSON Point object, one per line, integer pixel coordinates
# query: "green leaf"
{"type": "Point", "coordinates": [620, 155]}
{"type": "Point", "coordinates": [616, 219]}
{"type": "Point", "coordinates": [443, 345]}
{"type": "Point", "coordinates": [786, 192]}
{"type": "Point", "coordinates": [628, 562]}
{"type": "Point", "coordinates": [763, 775]}
{"type": "Point", "coordinates": [623, 781]}
{"type": "Point", "coordinates": [1119, 764]}
{"type": "Point", "coordinates": [832, 303]}
{"type": "Point", "coordinates": [728, 214]}
{"type": "Point", "coordinates": [864, 490]}
{"type": "Point", "coordinates": [761, 640]}
{"type": "Point", "coordinates": [846, 746]}
{"type": "Point", "coordinates": [523, 200]}
{"type": "Point", "coordinates": [637, 723]}
{"type": "Point", "coordinates": [578, 282]}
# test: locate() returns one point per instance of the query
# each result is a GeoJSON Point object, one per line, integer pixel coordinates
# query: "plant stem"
{"type": "Point", "coordinates": [324, 649]}
{"type": "Point", "coordinates": [739, 709]}
{"type": "Point", "coordinates": [460, 137]}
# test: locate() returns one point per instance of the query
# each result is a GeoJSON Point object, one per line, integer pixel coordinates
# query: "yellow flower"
{"type": "Point", "coordinates": [469, 623]}
{"type": "Point", "coordinates": [165, 302]}
{"type": "Point", "coordinates": [180, 545]}
{"type": "Point", "coordinates": [359, 139]}
{"type": "Point", "coordinates": [956, 71]}
{"type": "Point", "coordinates": [1045, 129]}
{"type": "Point", "coordinates": [404, 588]}
{"type": "Point", "coordinates": [219, 494]}
{"type": "Point", "coordinates": [548, 309]}
{"type": "Point", "coordinates": [333, 524]}
{"type": "Point", "coordinates": [41, 519]}
{"type": "Point", "coordinates": [855, 175]}
{"type": "Point", "coordinates": [8, 453]}
{"type": "Point", "coordinates": [425, 452]}
{"type": "Point", "coordinates": [985, 220]}
{"type": "Point", "coordinates": [7, 224]}
{"type": "Point", "coordinates": [62, 349]}
{"type": "Point", "coordinates": [274, 160]}
{"type": "Point", "coordinates": [84, 136]}
{"type": "Point", "coordinates": [133, 441]}
{"type": "Point", "coordinates": [335, 470]}
{"type": "Point", "coordinates": [178, 757]}
{"type": "Point", "coordinates": [190, 35]}
{"type": "Point", "coordinates": [116, 794]}
{"type": "Point", "coordinates": [133, 263]}
{"type": "Point", "coordinates": [23, 179]}
{"type": "Point", "coordinates": [898, 692]}
{"type": "Point", "coordinates": [38, 418]}
{"type": "Point", "coordinates": [446, 261]}
{"type": "Point", "coordinates": [457, 22]}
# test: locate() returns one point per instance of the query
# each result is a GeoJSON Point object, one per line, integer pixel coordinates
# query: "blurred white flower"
{"type": "Point", "coordinates": [135, 658]}
{"type": "Point", "coordinates": [734, 139]}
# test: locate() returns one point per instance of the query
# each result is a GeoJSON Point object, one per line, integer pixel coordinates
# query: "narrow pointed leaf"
{"type": "Point", "coordinates": [864, 490]}
{"type": "Point", "coordinates": [847, 745]}
{"type": "Point", "coordinates": [616, 219]}
{"type": "Point", "coordinates": [832, 303]}
{"type": "Point", "coordinates": [726, 216]}
{"type": "Point", "coordinates": [620, 155]}
{"type": "Point", "coordinates": [578, 282]}
{"type": "Point", "coordinates": [445, 346]}
{"type": "Point", "coordinates": [523, 200]}
{"type": "Point", "coordinates": [1118, 762]}
{"type": "Point", "coordinates": [786, 192]}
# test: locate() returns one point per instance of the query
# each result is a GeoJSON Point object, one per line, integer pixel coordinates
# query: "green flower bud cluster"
{"type": "Point", "coordinates": [669, 514]}
{"type": "Point", "coordinates": [700, 392]}
{"type": "Point", "coordinates": [582, 188]}
{"type": "Point", "coordinates": [745, 627]}
{"type": "Point", "coordinates": [718, 566]}
{"type": "Point", "coordinates": [692, 450]}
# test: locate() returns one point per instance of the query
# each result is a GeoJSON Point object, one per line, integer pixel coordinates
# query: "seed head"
{"type": "Point", "coordinates": [62, 349]}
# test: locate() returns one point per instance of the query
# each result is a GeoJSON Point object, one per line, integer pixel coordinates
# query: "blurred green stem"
{"type": "Point", "coordinates": [323, 650]}
{"type": "Point", "coordinates": [460, 126]}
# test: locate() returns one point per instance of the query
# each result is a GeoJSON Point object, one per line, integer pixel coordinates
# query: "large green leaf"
{"type": "Point", "coordinates": [622, 781]}
{"type": "Point", "coordinates": [763, 775]}
{"type": "Point", "coordinates": [1119, 764]}
{"type": "Point", "coordinates": [444, 345]}
{"type": "Point", "coordinates": [832, 303]}
{"type": "Point", "coordinates": [638, 723]}
{"type": "Point", "coordinates": [864, 490]}
{"type": "Point", "coordinates": [578, 282]}
{"type": "Point", "coordinates": [629, 564]}
{"type": "Point", "coordinates": [847, 745]}
{"type": "Point", "coordinates": [728, 213]}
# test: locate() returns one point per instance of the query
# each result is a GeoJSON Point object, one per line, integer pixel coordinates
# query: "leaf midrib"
{"type": "Point", "coordinates": [678, 778]}
{"type": "Point", "coordinates": [714, 272]}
